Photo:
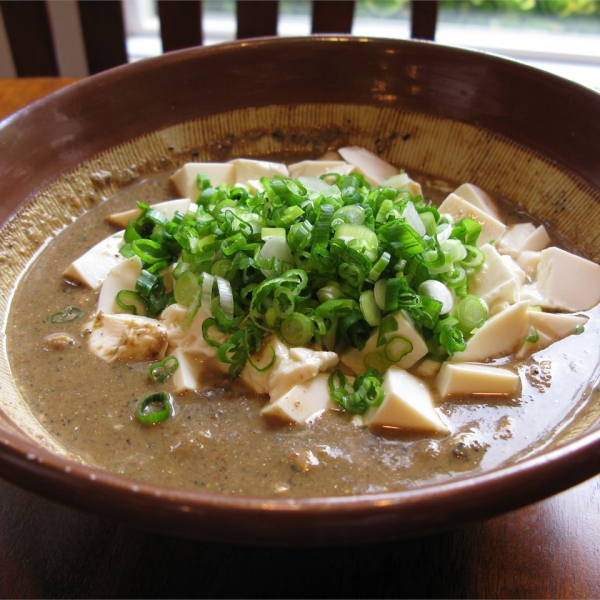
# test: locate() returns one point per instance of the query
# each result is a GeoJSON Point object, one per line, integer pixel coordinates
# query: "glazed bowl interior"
{"type": "Point", "coordinates": [452, 115]}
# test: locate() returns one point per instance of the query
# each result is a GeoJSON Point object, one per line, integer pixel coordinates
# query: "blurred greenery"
{"type": "Point", "coordinates": [583, 15]}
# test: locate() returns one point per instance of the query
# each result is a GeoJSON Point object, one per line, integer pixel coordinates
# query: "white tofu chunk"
{"type": "Point", "coordinates": [375, 170]}
{"type": "Point", "coordinates": [407, 405]}
{"type": "Point", "coordinates": [478, 198]}
{"type": "Point", "coordinates": [316, 168]}
{"type": "Point", "coordinates": [185, 179]}
{"type": "Point", "coordinates": [187, 376]}
{"type": "Point", "coordinates": [498, 336]}
{"type": "Point", "coordinates": [496, 280]}
{"type": "Point", "coordinates": [190, 340]}
{"type": "Point", "coordinates": [121, 277]}
{"type": "Point", "coordinates": [528, 260]}
{"type": "Point", "coordinates": [92, 268]}
{"type": "Point", "coordinates": [550, 328]}
{"type": "Point", "coordinates": [564, 281]}
{"type": "Point", "coordinates": [167, 208]}
{"type": "Point", "coordinates": [523, 237]}
{"type": "Point", "coordinates": [292, 366]}
{"type": "Point", "coordinates": [372, 355]}
{"type": "Point", "coordinates": [127, 337]}
{"type": "Point", "coordinates": [248, 172]}
{"type": "Point", "coordinates": [401, 182]}
{"type": "Point", "coordinates": [467, 379]}
{"type": "Point", "coordinates": [458, 208]}
{"type": "Point", "coordinates": [303, 402]}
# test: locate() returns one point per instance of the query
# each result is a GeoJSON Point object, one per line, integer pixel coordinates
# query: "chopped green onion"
{"type": "Point", "coordinates": [68, 315]}
{"type": "Point", "coordinates": [472, 313]}
{"type": "Point", "coordinates": [132, 302]}
{"type": "Point", "coordinates": [161, 371]}
{"type": "Point", "coordinates": [533, 337]}
{"type": "Point", "coordinates": [154, 408]}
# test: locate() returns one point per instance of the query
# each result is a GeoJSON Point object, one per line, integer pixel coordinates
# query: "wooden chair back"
{"type": "Point", "coordinates": [33, 49]}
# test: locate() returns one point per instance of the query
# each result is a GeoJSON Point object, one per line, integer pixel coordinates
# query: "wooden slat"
{"type": "Point", "coordinates": [256, 18]}
{"type": "Point", "coordinates": [103, 33]}
{"type": "Point", "coordinates": [30, 37]}
{"type": "Point", "coordinates": [423, 19]}
{"type": "Point", "coordinates": [180, 23]}
{"type": "Point", "coordinates": [332, 16]}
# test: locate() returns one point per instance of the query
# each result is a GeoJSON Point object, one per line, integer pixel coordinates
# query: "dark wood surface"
{"type": "Point", "coordinates": [547, 550]}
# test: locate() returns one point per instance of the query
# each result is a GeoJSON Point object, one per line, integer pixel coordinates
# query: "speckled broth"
{"type": "Point", "coordinates": [217, 441]}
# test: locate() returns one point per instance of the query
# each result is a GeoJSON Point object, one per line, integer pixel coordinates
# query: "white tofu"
{"type": "Point", "coordinates": [167, 208]}
{"type": "Point", "coordinates": [121, 277]}
{"type": "Point", "coordinates": [248, 172]}
{"type": "Point", "coordinates": [187, 376]}
{"type": "Point", "coordinates": [316, 168]}
{"type": "Point", "coordinates": [564, 281]}
{"type": "Point", "coordinates": [92, 268]}
{"type": "Point", "coordinates": [458, 208]}
{"type": "Point", "coordinates": [127, 337]}
{"type": "Point", "coordinates": [523, 237]}
{"type": "Point", "coordinates": [375, 170]}
{"type": "Point", "coordinates": [372, 355]}
{"type": "Point", "coordinates": [496, 280]}
{"type": "Point", "coordinates": [401, 182]}
{"type": "Point", "coordinates": [303, 402]}
{"type": "Point", "coordinates": [292, 366]}
{"type": "Point", "coordinates": [407, 405]}
{"type": "Point", "coordinates": [466, 379]}
{"type": "Point", "coordinates": [185, 179]}
{"type": "Point", "coordinates": [498, 336]}
{"type": "Point", "coordinates": [428, 368]}
{"type": "Point", "coordinates": [528, 260]}
{"type": "Point", "coordinates": [191, 339]}
{"type": "Point", "coordinates": [478, 198]}
{"type": "Point", "coordinates": [550, 328]}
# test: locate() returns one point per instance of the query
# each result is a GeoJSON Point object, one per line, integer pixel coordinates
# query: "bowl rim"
{"type": "Point", "coordinates": [533, 478]}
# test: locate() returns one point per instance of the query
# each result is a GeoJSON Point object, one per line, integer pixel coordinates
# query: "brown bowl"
{"type": "Point", "coordinates": [457, 115]}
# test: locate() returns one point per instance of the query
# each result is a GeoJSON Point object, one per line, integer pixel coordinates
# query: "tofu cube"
{"type": "Point", "coordinates": [550, 328]}
{"type": "Point", "coordinates": [303, 402]}
{"type": "Point", "coordinates": [407, 405]}
{"type": "Point", "coordinates": [316, 168]}
{"type": "Point", "coordinates": [372, 355]}
{"type": "Point", "coordinates": [185, 179]}
{"type": "Point", "coordinates": [523, 237]}
{"type": "Point", "coordinates": [401, 182]}
{"type": "Point", "coordinates": [478, 198]}
{"type": "Point", "coordinates": [127, 337]}
{"type": "Point", "coordinates": [375, 170]}
{"type": "Point", "coordinates": [248, 172]}
{"type": "Point", "coordinates": [468, 379]}
{"type": "Point", "coordinates": [565, 281]}
{"type": "Point", "coordinates": [498, 336]}
{"type": "Point", "coordinates": [292, 367]}
{"type": "Point", "coordinates": [458, 208]}
{"type": "Point", "coordinates": [123, 276]}
{"type": "Point", "coordinates": [92, 268]}
{"type": "Point", "coordinates": [496, 280]}
{"type": "Point", "coordinates": [168, 208]}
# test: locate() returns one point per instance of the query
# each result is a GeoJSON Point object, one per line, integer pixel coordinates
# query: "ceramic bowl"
{"type": "Point", "coordinates": [456, 115]}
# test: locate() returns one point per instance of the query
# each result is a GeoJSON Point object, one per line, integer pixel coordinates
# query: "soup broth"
{"type": "Point", "coordinates": [217, 440]}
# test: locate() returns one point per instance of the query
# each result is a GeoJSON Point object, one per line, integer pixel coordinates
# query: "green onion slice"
{"type": "Point", "coordinates": [154, 408]}
{"type": "Point", "coordinates": [161, 371]}
{"type": "Point", "coordinates": [68, 315]}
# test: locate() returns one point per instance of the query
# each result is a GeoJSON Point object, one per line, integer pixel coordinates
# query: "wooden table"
{"type": "Point", "coordinates": [548, 550]}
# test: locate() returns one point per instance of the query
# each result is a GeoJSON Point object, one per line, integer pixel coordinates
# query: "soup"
{"type": "Point", "coordinates": [216, 438]}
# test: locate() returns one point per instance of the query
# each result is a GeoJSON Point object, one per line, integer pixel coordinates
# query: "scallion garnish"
{"type": "Point", "coordinates": [318, 262]}
{"type": "Point", "coordinates": [161, 371]}
{"type": "Point", "coordinates": [68, 315]}
{"type": "Point", "coordinates": [154, 408]}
